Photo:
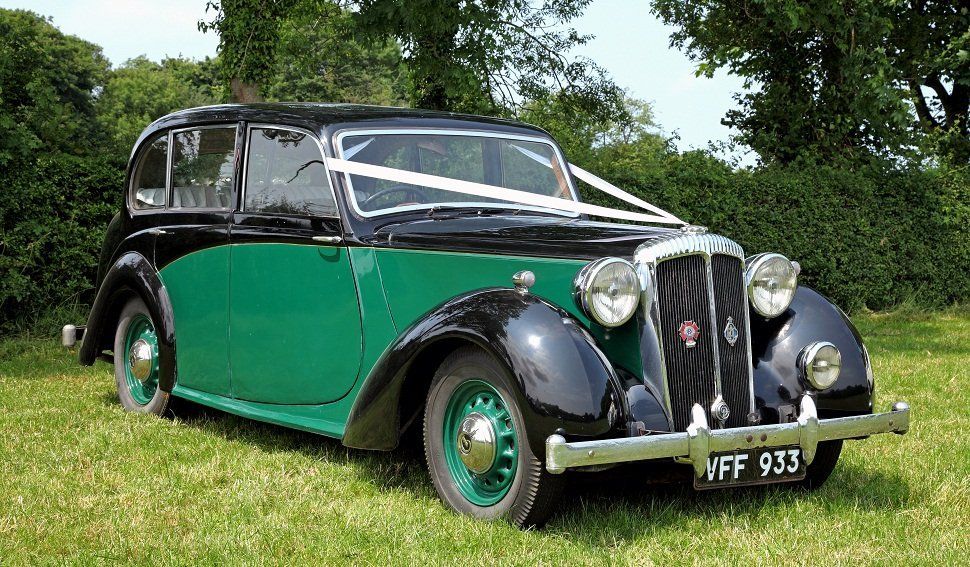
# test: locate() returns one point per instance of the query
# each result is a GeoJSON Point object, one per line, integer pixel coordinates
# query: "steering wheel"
{"type": "Point", "coordinates": [420, 195]}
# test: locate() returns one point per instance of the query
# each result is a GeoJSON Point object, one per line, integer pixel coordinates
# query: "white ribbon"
{"type": "Point", "coordinates": [513, 195]}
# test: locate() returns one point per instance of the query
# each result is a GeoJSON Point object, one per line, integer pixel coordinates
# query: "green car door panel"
{"type": "Point", "coordinates": [198, 285]}
{"type": "Point", "coordinates": [295, 333]}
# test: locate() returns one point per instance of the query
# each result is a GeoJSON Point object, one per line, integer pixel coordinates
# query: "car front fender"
{"type": "Point", "coordinates": [777, 343]}
{"type": "Point", "coordinates": [130, 274]}
{"type": "Point", "coordinates": [564, 382]}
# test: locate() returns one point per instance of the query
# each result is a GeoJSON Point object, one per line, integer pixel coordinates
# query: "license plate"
{"type": "Point", "coordinates": [752, 466]}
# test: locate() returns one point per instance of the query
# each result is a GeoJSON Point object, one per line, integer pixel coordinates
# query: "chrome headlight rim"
{"type": "Point", "coordinates": [752, 266]}
{"type": "Point", "coordinates": [806, 364]}
{"type": "Point", "coordinates": [583, 290]}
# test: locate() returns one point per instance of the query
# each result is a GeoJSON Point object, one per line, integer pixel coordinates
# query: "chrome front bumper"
{"type": "Point", "coordinates": [699, 441]}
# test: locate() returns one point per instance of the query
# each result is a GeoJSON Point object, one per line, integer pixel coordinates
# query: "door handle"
{"type": "Point", "coordinates": [156, 231]}
{"type": "Point", "coordinates": [328, 239]}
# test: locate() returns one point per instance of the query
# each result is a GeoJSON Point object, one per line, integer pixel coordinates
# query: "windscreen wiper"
{"type": "Point", "coordinates": [460, 210]}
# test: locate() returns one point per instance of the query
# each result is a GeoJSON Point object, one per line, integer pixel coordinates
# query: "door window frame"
{"type": "Point", "coordinates": [171, 162]}
{"type": "Point", "coordinates": [245, 171]}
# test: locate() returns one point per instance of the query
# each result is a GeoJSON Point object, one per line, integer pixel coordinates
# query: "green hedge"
{"type": "Point", "coordinates": [867, 239]}
{"type": "Point", "coordinates": [52, 221]}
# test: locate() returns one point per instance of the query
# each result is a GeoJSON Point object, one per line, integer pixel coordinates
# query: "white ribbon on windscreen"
{"type": "Point", "coordinates": [513, 195]}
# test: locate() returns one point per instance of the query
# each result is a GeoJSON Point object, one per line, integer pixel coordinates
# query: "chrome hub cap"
{"type": "Point", "coordinates": [140, 360]}
{"type": "Point", "coordinates": [476, 443]}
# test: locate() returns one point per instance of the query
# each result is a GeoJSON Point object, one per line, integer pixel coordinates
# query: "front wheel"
{"type": "Point", "coordinates": [826, 457]}
{"type": "Point", "coordinates": [136, 361]}
{"type": "Point", "coordinates": [475, 442]}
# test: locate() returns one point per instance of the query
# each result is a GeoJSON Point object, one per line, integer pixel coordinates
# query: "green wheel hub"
{"type": "Point", "coordinates": [480, 443]}
{"type": "Point", "coordinates": [141, 359]}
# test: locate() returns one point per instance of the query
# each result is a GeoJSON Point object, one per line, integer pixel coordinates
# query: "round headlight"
{"type": "Point", "coordinates": [608, 291]}
{"type": "Point", "coordinates": [771, 282]}
{"type": "Point", "coordinates": [820, 364]}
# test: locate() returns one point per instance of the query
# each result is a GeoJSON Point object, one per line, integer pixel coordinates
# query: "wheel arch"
{"type": "Point", "coordinates": [776, 347]}
{"type": "Point", "coordinates": [564, 382]}
{"type": "Point", "coordinates": [131, 275]}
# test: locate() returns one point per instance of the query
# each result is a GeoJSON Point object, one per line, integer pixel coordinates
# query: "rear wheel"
{"type": "Point", "coordinates": [478, 453]}
{"type": "Point", "coordinates": [136, 361]}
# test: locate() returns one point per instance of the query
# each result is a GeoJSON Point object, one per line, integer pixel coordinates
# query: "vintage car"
{"type": "Point", "coordinates": [359, 271]}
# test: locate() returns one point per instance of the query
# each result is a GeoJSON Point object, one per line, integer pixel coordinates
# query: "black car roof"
{"type": "Point", "coordinates": [332, 116]}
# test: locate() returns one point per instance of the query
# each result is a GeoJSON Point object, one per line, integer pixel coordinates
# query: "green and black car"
{"type": "Point", "coordinates": [357, 272]}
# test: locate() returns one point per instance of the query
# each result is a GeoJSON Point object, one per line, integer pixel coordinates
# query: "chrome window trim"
{"type": "Point", "coordinates": [171, 162]}
{"type": "Point", "coordinates": [645, 260]}
{"type": "Point", "coordinates": [245, 168]}
{"type": "Point", "coordinates": [351, 198]}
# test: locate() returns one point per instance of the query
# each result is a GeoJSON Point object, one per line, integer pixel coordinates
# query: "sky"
{"type": "Point", "coordinates": [630, 43]}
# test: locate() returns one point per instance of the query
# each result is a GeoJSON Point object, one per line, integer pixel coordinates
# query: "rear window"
{"type": "Point", "coordinates": [148, 179]}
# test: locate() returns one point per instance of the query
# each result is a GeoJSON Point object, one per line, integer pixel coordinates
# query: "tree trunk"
{"type": "Point", "coordinates": [241, 91]}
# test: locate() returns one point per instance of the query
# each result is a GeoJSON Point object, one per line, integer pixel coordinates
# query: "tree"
{"type": "Point", "coordinates": [828, 79]}
{"type": "Point", "coordinates": [489, 56]}
{"type": "Point", "coordinates": [630, 139]}
{"type": "Point", "coordinates": [248, 34]}
{"type": "Point", "coordinates": [140, 91]}
{"type": "Point", "coordinates": [48, 82]}
{"type": "Point", "coordinates": [930, 45]}
{"type": "Point", "coordinates": [320, 58]}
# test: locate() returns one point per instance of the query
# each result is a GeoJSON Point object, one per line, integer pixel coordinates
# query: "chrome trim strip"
{"type": "Point", "coordinates": [699, 441]}
{"type": "Point", "coordinates": [686, 244]}
{"type": "Point", "coordinates": [645, 260]}
{"type": "Point", "coordinates": [714, 332]}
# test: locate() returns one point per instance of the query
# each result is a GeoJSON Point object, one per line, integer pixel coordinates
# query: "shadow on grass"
{"type": "Point", "coordinates": [620, 503]}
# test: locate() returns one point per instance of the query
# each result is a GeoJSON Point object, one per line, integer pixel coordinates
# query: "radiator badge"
{"type": "Point", "coordinates": [689, 332]}
{"type": "Point", "coordinates": [731, 332]}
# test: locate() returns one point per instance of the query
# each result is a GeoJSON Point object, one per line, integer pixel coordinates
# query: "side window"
{"type": "Point", "coordinates": [285, 174]}
{"type": "Point", "coordinates": [202, 167]}
{"type": "Point", "coordinates": [148, 179]}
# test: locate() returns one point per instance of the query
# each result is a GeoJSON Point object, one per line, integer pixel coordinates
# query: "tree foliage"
{"type": "Point", "coordinates": [140, 91]}
{"type": "Point", "coordinates": [47, 86]}
{"type": "Point", "coordinates": [320, 57]}
{"type": "Point", "coordinates": [489, 56]}
{"type": "Point", "coordinates": [248, 31]}
{"type": "Point", "coordinates": [832, 79]}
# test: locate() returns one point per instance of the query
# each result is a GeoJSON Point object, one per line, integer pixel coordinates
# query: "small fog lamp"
{"type": "Point", "coordinates": [820, 364]}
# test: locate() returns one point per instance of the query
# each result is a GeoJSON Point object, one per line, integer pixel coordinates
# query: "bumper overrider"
{"type": "Point", "coordinates": [699, 441]}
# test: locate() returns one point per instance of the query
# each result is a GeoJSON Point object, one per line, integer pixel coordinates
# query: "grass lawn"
{"type": "Point", "coordinates": [83, 481]}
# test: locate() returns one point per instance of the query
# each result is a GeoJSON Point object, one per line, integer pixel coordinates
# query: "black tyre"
{"type": "Point", "coordinates": [136, 361]}
{"type": "Point", "coordinates": [826, 457]}
{"type": "Point", "coordinates": [475, 443]}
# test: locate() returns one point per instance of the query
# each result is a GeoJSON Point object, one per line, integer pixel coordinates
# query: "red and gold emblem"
{"type": "Point", "coordinates": [689, 332]}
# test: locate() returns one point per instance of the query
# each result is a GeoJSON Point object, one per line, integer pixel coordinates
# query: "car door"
{"type": "Point", "coordinates": [192, 250]}
{"type": "Point", "coordinates": [295, 330]}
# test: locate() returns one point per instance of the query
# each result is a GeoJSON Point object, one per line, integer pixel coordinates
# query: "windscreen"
{"type": "Point", "coordinates": [524, 165]}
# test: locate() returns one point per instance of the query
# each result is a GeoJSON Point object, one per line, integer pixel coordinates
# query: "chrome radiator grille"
{"type": "Point", "coordinates": [682, 296]}
{"type": "Point", "coordinates": [699, 278]}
